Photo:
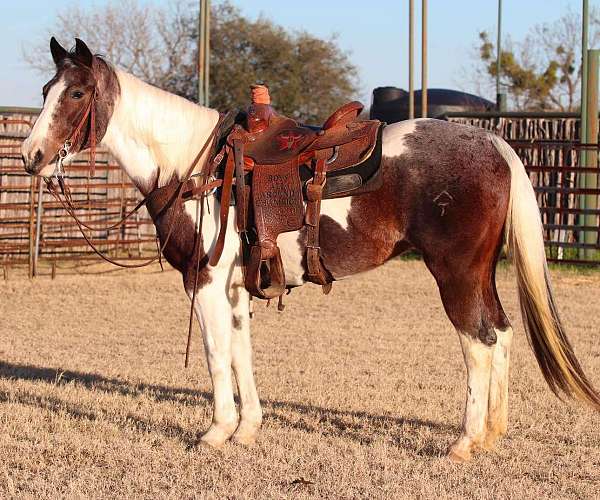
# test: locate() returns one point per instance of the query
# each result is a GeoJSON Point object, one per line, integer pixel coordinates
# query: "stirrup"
{"type": "Point", "coordinates": [265, 269]}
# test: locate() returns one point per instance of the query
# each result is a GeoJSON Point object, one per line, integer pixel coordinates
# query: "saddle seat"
{"type": "Point", "coordinates": [282, 171]}
{"type": "Point", "coordinates": [282, 139]}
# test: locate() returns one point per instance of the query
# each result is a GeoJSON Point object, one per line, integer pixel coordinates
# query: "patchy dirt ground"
{"type": "Point", "coordinates": [362, 391]}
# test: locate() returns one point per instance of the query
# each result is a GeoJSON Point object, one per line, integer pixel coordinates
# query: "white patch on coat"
{"type": "Point", "coordinates": [478, 359]}
{"type": "Point", "coordinates": [214, 313]}
{"type": "Point", "coordinates": [291, 256]}
{"type": "Point", "coordinates": [152, 130]}
{"type": "Point", "coordinates": [337, 209]}
{"type": "Point", "coordinates": [394, 134]}
{"type": "Point", "coordinates": [241, 361]}
{"type": "Point", "coordinates": [499, 376]}
{"type": "Point", "coordinates": [41, 128]}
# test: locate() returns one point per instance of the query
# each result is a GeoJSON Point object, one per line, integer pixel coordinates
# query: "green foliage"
{"type": "Point", "coordinates": [308, 77]}
{"type": "Point", "coordinates": [519, 78]}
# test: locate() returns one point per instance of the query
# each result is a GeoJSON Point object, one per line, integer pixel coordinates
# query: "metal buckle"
{"type": "Point", "coordinates": [336, 150]}
{"type": "Point", "coordinates": [59, 171]}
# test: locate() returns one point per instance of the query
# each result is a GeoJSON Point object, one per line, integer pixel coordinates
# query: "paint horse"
{"type": "Point", "coordinates": [452, 192]}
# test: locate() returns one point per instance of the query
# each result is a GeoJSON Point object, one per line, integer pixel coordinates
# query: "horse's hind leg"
{"type": "Point", "coordinates": [478, 359]}
{"type": "Point", "coordinates": [497, 420]}
{"type": "Point", "coordinates": [241, 360]}
{"type": "Point", "coordinates": [470, 300]}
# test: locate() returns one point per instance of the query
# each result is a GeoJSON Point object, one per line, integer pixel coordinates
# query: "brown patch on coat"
{"type": "Point", "coordinates": [183, 249]}
{"type": "Point", "coordinates": [447, 197]}
{"type": "Point", "coordinates": [236, 322]}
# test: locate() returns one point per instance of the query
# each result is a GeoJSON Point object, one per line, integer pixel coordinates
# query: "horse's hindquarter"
{"type": "Point", "coordinates": [444, 184]}
{"type": "Point", "coordinates": [461, 187]}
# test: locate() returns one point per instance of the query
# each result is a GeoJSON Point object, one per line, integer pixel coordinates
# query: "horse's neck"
{"type": "Point", "coordinates": [155, 135]}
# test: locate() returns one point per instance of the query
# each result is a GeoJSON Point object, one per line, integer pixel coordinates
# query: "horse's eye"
{"type": "Point", "coordinates": [76, 94]}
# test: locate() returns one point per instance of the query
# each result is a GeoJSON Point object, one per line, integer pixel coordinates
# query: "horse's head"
{"type": "Point", "coordinates": [78, 102]}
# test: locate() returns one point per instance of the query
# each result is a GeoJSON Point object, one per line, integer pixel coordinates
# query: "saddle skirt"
{"type": "Point", "coordinates": [281, 170]}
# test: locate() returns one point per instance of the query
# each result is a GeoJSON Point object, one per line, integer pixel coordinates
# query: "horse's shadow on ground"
{"type": "Point", "coordinates": [359, 426]}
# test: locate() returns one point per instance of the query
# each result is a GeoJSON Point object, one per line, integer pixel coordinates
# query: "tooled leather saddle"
{"type": "Point", "coordinates": [281, 171]}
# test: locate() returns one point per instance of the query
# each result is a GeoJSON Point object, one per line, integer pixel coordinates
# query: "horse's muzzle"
{"type": "Point", "coordinates": [32, 164]}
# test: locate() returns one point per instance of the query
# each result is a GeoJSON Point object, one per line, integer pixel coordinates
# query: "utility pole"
{"type": "Point", "coordinates": [591, 155]}
{"type": "Point", "coordinates": [583, 139]}
{"type": "Point", "coordinates": [204, 52]}
{"type": "Point", "coordinates": [411, 36]}
{"type": "Point", "coordinates": [500, 97]}
{"type": "Point", "coordinates": [424, 60]}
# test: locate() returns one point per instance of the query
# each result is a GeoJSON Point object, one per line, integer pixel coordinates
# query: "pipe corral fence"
{"type": "Point", "coordinates": [34, 228]}
{"type": "Point", "coordinates": [550, 148]}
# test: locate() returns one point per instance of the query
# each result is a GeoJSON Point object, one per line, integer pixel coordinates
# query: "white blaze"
{"type": "Point", "coordinates": [41, 128]}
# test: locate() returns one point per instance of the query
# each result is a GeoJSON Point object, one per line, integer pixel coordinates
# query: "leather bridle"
{"type": "Point", "coordinates": [63, 152]}
{"type": "Point", "coordinates": [207, 184]}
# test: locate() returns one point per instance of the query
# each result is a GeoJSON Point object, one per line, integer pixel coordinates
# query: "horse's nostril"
{"type": "Point", "coordinates": [38, 157]}
{"type": "Point", "coordinates": [31, 164]}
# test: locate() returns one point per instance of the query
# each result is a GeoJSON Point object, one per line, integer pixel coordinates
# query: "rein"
{"type": "Point", "coordinates": [67, 202]}
{"type": "Point", "coordinates": [208, 184]}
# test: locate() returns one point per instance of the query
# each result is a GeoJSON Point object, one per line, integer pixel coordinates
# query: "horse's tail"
{"type": "Point", "coordinates": [546, 334]}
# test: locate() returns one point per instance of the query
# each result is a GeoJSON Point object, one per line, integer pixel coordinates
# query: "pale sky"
{"type": "Point", "coordinates": [374, 33]}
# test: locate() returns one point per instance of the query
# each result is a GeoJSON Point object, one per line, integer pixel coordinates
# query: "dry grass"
{"type": "Point", "coordinates": [362, 391]}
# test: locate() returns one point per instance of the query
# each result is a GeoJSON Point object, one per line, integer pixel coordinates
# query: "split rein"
{"type": "Point", "coordinates": [67, 203]}
{"type": "Point", "coordinates": [208, 184]}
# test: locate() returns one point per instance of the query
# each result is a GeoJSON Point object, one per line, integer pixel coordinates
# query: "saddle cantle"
{"type": "Point", "coordinates": [282, 171]}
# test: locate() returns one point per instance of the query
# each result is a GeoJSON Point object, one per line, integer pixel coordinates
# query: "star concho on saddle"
{"type": "Point", "coordinates": [281, 171]}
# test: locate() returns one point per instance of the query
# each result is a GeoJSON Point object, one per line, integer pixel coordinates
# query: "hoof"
{"type": "Point", "coordinates": [244, 439]}
{"type": "Point", "coordinates": [459, 458]}
{"type": "Point", "coordinates": [246, 434]}
{"type": "Point", "coordinates": [489, 443]}
{"type": "Point", "coordinates": [459, 453]}
{"type": "Point", "coordinates": [216, 436]}
{"type": "Point", "coordinates": [491, 439]}
{"type": "Point", "coordinates": [203, 444]}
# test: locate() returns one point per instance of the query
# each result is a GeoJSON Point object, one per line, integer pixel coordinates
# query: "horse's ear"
{"type": "Point", "coordinates": [83, 53]}
{"type": "Point", "coordinates": [57, 50]}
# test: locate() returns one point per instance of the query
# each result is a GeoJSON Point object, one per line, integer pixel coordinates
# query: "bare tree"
{"type": "Point", "coordinates": [543, 71]}
{"type": "Point", "coordinates": [144, 40]}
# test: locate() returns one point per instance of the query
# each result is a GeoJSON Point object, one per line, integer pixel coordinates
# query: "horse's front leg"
{"type": "Point", "coordinates": [214, 312]}
{"type": "Point", "coordinates": [241, 350]}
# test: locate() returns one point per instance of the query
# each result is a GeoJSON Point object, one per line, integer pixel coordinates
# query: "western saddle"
{"type": "Point", "coordinates": [281, 171]}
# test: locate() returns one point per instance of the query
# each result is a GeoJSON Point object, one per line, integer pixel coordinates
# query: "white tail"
{"type": "Point", "coordinates": [525, 241]}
